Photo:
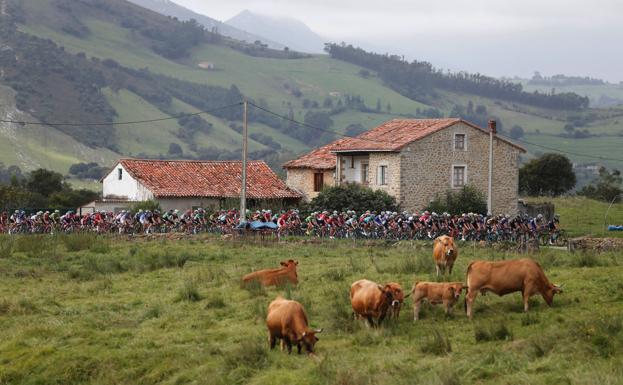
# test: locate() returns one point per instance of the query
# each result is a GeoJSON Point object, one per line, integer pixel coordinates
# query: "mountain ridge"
{"type": "Point", "coordinates": [292, 32]}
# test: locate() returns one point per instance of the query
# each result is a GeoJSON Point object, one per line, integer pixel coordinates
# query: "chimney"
{"type": "Point", "coordinates": [492, 126]}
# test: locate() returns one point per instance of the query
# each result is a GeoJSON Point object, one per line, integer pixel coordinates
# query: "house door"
{"type": "Point", "coordinates": [318, 181]}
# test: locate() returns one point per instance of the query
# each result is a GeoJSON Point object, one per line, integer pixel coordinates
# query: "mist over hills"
{"type": "Point", "coordinates": [291, 32]}
{"type": "Point", "coordinates": [169, 8]}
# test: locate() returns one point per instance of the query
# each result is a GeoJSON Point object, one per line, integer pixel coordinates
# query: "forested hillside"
{"type": "Point", "coordinates": [97, 63]}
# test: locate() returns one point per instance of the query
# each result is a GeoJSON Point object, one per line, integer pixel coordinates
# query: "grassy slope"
{"type": "Point", "coordinates": [581, 216]}
{"type": "Point", "coordinates": [113, 314]}
{"type": "Point", "coordinates": [31, 146]}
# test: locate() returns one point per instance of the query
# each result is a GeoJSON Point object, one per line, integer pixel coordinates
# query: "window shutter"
{"type": "Point", "coordinates": [378, 176]}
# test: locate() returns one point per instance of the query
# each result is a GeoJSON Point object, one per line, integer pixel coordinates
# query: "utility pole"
{"type": "Point", "coordinates": [243, 189]}
{"type": "Point", "coordinates": [492, 131]}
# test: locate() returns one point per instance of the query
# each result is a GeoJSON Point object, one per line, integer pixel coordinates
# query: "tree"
{"type": "Point", "coordinates": [352, 196]}
{"type": "Point", "coordinates": [175, 149]}
{"type": "Point", "coordinates": [607, 187]}
{"type": "Point", "coordinates": [467, 200]}
{"type": "Point", "coordinates": [44, 182]}
{"type": "Point", "coordinates": [516, 132]}
{"type": "Point", "coordinates": [354, 129]}
{"type": "Point", "coordinates": [321, 120]}
{"type": "Point", "coordinates": [550, 175]}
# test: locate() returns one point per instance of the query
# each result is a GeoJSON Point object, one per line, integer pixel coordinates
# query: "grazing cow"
{"type": "Point", "coordinates": [286, 320]}
{"type": "Point", "coordinates": [373, 301]}
{"type": "Point", "coordinates": [275, 277]}
{"type": "Point", "coordinates": [435, 293]}
{"type": "Point", "coordinates": [504, 277]}
{"type": "Point", "coordinates": [444, 253]}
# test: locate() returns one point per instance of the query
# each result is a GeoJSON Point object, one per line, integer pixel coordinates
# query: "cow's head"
{"type": "Point", "coordinates": [290, 264]}
{"type": "Point", "coordinates": [309, 339]}
{"type": "Point", "coordinates": [550, 292]}
{"type": "Point", "coordinates": [448, 246]}
{"type": "Point", "coordinates": [456, 288]}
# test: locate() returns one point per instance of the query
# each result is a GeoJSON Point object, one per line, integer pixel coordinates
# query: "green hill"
{"type": "Point", "coordinates": [144, 72]}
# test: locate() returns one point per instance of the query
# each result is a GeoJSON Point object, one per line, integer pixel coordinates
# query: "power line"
{"type": "Point", "coordinates": [120, 123]}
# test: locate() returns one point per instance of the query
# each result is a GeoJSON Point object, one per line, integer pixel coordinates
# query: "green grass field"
{"type": "Point", "coordinates": [582, 216]}
{"type": "Point", "coordinates": [80, 309]}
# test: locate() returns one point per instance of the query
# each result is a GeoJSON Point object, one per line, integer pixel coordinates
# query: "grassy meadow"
{"type": "Point", "coordinates": [82, 309]}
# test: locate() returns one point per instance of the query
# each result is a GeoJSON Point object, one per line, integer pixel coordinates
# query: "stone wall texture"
{"type": "Point", "coordinates": [426, 168]}
{"type": "Point", "coordinates": [302, 180]}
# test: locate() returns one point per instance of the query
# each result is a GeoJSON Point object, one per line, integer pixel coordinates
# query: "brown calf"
{"type": "Point", "coordinates": [435, 293]}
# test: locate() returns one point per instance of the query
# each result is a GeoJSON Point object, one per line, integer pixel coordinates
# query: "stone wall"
{"type": "Point", "coordinates": [426, 168]}
{"type": "Point", "coordinates": [302, 180]}
{"type": "Point", "coordinates": [392, 161]}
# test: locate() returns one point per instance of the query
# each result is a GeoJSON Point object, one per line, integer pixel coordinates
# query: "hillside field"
{"type": "Point", "coordinates": [79, 309]}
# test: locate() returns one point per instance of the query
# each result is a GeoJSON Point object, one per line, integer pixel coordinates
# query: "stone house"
{"type": "Point", "coordinates": [186, 184]}
{"type": "Point", "coordinates": [414, 160]}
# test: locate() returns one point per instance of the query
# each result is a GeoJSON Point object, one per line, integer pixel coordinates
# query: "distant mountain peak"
{"type": "Point", "coordinates": [289, 31]}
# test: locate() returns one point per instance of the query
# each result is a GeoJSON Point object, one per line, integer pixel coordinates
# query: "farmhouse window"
{"type": "Point", "coordinates": [458, 176]}
{"type": "Point", "coordinates": [318, 181]}
{"type": "Point", "coordinates": [364, 173]}
{"type": "Point", "coordinates": [459, 141]}
{"type": "Point", "coordinates": [381, 175]}
{"type": "Point", "coordinates": [119, 173]}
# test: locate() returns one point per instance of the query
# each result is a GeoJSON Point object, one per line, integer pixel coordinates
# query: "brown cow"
{"type": "Point", "coordinates": [435, 293]}
{"type": "Point", "coordinates": [504, 277]}
{"type": "Point", "coordinates": [445, 253]}
{"type": "Point", "coordinates": [275, 277]}
{"type": "Point", "coordinates": [286, 320]}
{"type": "Point", "coordinates": [372, 301]}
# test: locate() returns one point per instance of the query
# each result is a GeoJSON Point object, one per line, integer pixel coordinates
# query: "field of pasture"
{"type": "Point", "coordinates": [81, 309]}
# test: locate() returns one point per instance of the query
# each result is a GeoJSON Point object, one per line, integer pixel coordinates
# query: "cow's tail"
{"type": "Point", "coordinates": [469, 269]}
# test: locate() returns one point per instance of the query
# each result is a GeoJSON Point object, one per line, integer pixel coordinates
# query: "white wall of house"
{"type": "Point", "coordinates": [352, 167]}
{"type": "Point", "coordinates": [124, 186]}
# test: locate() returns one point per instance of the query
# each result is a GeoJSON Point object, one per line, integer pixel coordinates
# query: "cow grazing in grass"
{"type": "Point", "coordinates": [373, 301]}
{"type": "Point", "coordinates": [446, 293]}
{"type": "Point", "coordinates": [504, 277]}
{"type": "Point", "coordinates": [445, 253]}
{"type": "Point", "coordinates": [286, 320]}
{"type": "Point", "coordinates": [275, 277]}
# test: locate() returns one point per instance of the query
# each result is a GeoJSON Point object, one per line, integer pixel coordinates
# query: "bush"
{"type": "Point", "coordinates": [189, 292]}
{"type": "Point", "coordinates": [352, 196]}
{"type": "Point", "coordinates": [467, 200]}
{"type": "Point", "coordinates": [494, 331]}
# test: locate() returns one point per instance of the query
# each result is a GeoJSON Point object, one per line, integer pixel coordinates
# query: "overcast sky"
{"type": "Point", "coordinates": [495, 37]}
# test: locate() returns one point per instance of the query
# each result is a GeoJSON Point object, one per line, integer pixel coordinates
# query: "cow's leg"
{"type": "Point", "coordinates": [469, 301]}
{"type": "Point", "coordinates": [437, 268]}
{"type": "Point", "coordinates": [446, 306]}
{"type": "Point", "coordinates": [370, 321]}
{"type": "Point", "coordinates": [288, 344]}
{"type": "Point", "coordinates": [298, 348]}
{"type": "Point", "coordinates": [526, 300]}
{"type": "Point", "coordinates": [450, 268]}
{"type": "Point", "coordinates": [416, 310]}
{"type": "Point", "coordinates": [272, 341]}
{"type": "Point", "coordinates": [380, 320]}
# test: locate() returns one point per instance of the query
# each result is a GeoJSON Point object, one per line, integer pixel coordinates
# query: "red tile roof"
{"type": "Point", "coordinates": [397, 133]}
{"type": "Point", "coordinates": [389, 136]}
{"type": "Point", "coordinates": [185, 178]}
{"type": "Point", "coordinates": [319, 159]}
